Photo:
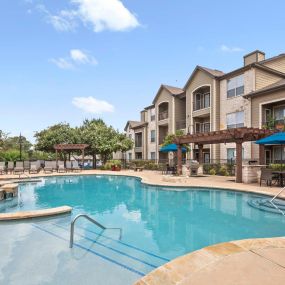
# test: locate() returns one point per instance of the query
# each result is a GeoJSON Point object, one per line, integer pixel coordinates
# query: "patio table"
{"type": "Point", "coordinates": [281, 177]}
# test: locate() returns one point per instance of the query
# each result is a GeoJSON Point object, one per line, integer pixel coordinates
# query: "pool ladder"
{"type": "Point", "coordinates": [276, 196]}
{"type": "Point", "coordinates": [90, 220]}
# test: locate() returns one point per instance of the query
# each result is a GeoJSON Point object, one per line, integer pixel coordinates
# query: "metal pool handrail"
{"type": "Point", "coordinates": [277, 194]}
{"type": "Point", "coordinates": [92, 221]}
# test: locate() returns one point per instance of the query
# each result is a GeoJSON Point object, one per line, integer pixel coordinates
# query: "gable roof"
{"type": "Point", "coordinates": [214, 73]}
{"type": "Point", "coordinates": [272, 58]}
{"type": "Point", "coordinates": [279, 85]}
{"type": "Point", "coordinates": [174, 91]}
{"type": "Point", "coordinates": [134, 124]}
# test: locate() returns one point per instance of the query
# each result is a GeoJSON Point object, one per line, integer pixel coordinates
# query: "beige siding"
{"type": "Point", "coordinates": [278, 64]}
{"type": "Point", "coordinates": [200, 79]}
{"type": "Point", "coordinates": [264, 79]}
{"type": "Point", "coordinates": [180, 112]}
{"type": "Point", "coordinates": [256, 103]}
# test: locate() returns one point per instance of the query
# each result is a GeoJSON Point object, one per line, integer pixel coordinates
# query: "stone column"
{"type": "Point", "coordinates": [200, 147]}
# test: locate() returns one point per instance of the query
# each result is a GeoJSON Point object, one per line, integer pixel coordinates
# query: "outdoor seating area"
{"type": "Point", "coordinates": [34, 167]}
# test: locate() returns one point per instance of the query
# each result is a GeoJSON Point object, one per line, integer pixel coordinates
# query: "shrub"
{"type": "Point", "coordinates": [276, 166]}
{"type": "Point", "coordinates": [212, 171]}
{"type": "Point", "coordinates": [223, 171]}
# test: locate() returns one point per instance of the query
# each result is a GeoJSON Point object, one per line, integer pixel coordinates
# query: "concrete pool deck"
{"type": "Point", "coordinates": [252, 261]}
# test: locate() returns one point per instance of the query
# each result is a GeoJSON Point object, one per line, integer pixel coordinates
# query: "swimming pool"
{"type": "Point", "coordinates": [157, 225]}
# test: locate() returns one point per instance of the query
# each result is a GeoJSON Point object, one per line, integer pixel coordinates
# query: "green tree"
{"type": "Point", "coordinates": [169, 139]}
{"type": "Point", "coordinates": [14, 143]}
{"type": "Point", "coordinates": [56, 134]}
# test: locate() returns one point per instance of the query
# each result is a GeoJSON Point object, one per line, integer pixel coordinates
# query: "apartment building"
{"type": "Point", "coordinates": [250, 96]}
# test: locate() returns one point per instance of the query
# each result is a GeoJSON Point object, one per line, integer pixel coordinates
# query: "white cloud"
{"type": "Point", "coordinates": [82, 57]}
{"type": "Point", "coordinates": [62, 22]}
{"type": "Point", "coordinates": [99, 14]}
{"type": "Point", "coordinates": [226, 48]}
{"type": "Point", "coordinates": [106, 15]}
{"type": "Point", "coordinates": [76, 57]}
{"type": "Point", "coordinates": [92, 105]}
{"type": "Point", "coordinates": [62, 63]}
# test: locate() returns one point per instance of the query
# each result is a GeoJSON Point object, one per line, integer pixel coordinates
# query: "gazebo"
{"type": "Point", "coordinates": [70, 147]}
{"type": "Point", "coordinates": [237, 135]}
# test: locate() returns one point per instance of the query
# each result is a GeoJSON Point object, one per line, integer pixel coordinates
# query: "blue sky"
{"type": "Point", "coordinates": [63, 61]}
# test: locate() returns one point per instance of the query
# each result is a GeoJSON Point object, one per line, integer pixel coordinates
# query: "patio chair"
{"type": "Point", "coordinates": [35, 167]}
{"type": "Point", "coordinates": [54, 165]}
{"type": "Point", "coordinates": [68, 165]}
{"type": "Point", "coordinates": [19, 167]}
{"type": "Point", "coordinates": [48, 166]}
{"type": "Point", "coordinates": [2, 167]}
{"type": "Point", "coordinates": [75, 166]}
{"type": "Point", "coordinates": [10, 167]}
{"type": "Point", "coordinates": [26, 165]}
{"type": "Point", "coordinates": [268, 177]}
{"type": "Point", "coordinates": [60, 166]}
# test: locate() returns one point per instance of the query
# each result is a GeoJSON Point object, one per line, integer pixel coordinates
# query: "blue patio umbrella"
{"type": "Point", "coordinates": [275, 139]}
{"type": "Point", "coordinates": [171, 147]}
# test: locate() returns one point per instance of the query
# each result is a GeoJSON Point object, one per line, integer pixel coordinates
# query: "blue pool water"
{"type": "Point", "coordinates": [158, 225]}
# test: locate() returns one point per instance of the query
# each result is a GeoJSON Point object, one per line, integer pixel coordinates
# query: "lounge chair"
{"type": "Point", "coordinates": [2, 167]}
{"type": "Point", "coordinates": [26, 165]}
{"type": "Point", "coordinates": [48, 166]}
{"type": "Point", "coordinates": [10, 167]}
{"type": "Point", "coordinates": [75, 166]}
{"type": "Point", "coordinates": [19, 167]}
{"type": "Point", "coordinates": [68, 165]}
{"type": "Point", "coordinates": [35, 167]}
{"type": "Point", "coordinates": [60, 166]}
{"type": "Point", "coordinates": [267, 176]}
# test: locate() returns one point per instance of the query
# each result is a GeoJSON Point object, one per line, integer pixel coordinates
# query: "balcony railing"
{"type": "Point", "coordinates": [203, 128]}
{"type": "Point", "coordinates": [163, 115]}
{"type": "Point", "coordinates": [274, 124]}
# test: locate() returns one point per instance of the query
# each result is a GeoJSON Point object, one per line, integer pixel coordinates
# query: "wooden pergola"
{"type": "Point", "coordinates": [237, 136]}
{"type": "Point", "coordinates": [70, 147]}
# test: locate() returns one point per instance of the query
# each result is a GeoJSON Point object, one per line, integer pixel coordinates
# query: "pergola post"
{"type": "Point", "coordinates": [239, 161]}
{"type": "Point", "coordinates": [179, 159]}
{"type": "Point", "coordinates": [82, 157]}
{"type": "Point", "coordinates": [200, 147]}
{"type": "Point", "coordinates": [261, 154]}
{"type": "Point", "coordinates": [56, 158]}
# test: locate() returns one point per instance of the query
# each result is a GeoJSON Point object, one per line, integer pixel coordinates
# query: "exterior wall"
{"type": "Point", "coordinates": [151, 126]}
{"type": "Point", "coordinates": [257, 103]}
{"type": "Point", "coordinates": [235, 104]}
{"type": "Point", "coordinates": [278, 64]}
{"type": "Point", "coordinates": [180, 113]}
{"type": "Point", "coordinates": [142, 149]}
{"type": "Point", "coordinates": [203, 79]}
{"type": "Point", "coordinates": [264, 79]}
{"type": "Point", "coordinates": [164, 96]}
{"type": "Point", "coordinates": [130, 132]}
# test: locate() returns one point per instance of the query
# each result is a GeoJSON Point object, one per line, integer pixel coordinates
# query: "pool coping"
{"type": "Point", "coordinates": [35, 214]}
{"type": "Point", "coordinates": [184, 269]}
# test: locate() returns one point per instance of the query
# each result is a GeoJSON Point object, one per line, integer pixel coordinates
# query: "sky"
{"type": "Point", "coordinates": [64, 61]}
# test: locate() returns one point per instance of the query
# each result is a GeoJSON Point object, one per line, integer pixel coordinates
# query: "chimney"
{"type": "Point", "coordinates": [254, 56]}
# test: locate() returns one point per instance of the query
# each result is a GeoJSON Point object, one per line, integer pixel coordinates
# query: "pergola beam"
{"type": "Point", "coordinates": [237, 135]}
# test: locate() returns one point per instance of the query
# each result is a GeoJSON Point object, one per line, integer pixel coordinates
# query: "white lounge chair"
{"type": "Point", "coordinates": [48, 166]}
{"type": "Point", "coordinates": [75, 166]}
{"type": "Point", "coordinates": [10, 167]}
{"type": "Point", "coordinates": [68, 166]}
{"type": "Point", "coordinates": [19, 167]}
{"type": "Point", "coordinates": [35, 167]}
{"type": "Point", "coordinates": [2, 167]}
{"type": "Point", "coordinates": [26, 165]}
{"type": "Point", "coordinates": [60, 166]}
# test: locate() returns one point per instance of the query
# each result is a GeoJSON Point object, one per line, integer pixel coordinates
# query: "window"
{"type": "Point", "coordinates": [138, 140]}
{"type": "Point", "coordinates": [152, 136]}
{"type": "Point", "coordinates": [152, 155]}
{"type": "Point", "coordinates": [138, 155]}
{"type": "Point", "coordinates": [130, 156]}
{"type": "Point", "coordinates": [152, 114]}
{"type": "Point", "coordinates": [235, 86]}
{"type": "Point", "coordinates": [202, 101]}
{"type": "Point", "coordinates": [235, 120]}
{"type": "Point", "coordinates": [202, 127]}
{"type": "Point", "coordinates": [130, 136]}
{"type": "Point", "coordinates": [279, 113]}
{"type": "Point", "coordinates": [231, 154]}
